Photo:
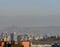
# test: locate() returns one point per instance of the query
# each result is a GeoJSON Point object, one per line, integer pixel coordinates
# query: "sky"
{"type": "Point", "coordinates": [29, 7]}
{"type": "Point", "coordinates": [29, 13]}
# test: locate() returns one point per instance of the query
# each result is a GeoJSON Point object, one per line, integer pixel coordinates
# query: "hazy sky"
{"type": "Point", "coordinates": [29, 7]}
{"type": "Point", "coordinates": [30, 14]}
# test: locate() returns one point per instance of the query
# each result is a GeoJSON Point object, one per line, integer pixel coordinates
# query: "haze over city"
{"type": "Point", "coordinates": [37, 16]}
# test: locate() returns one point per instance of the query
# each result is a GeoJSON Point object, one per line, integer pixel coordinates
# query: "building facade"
{"type": "Point", "coordinates": [13, 36]}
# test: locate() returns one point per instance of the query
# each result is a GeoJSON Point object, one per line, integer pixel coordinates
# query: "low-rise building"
{"type": "Point", "coordinates": [45, 45]}
{"type": "Point", "coordinates": [1, 44]}
{"type": "Point", "coordinates": [26, 43]}
{"type": "Point", "coordinates": [40, 44]}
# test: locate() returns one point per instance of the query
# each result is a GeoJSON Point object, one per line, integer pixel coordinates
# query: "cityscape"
{"type": "Point", "coordinates": [29, 23]}
{"type": "Point", "coordinates": [28, 40]}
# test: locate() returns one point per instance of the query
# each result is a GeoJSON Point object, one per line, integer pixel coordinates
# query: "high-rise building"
{"type": "Point", "coordinates": [30, 37]}
{"type": "Point", "coordinates": [13, 36]}
{"type": "Point", "coordinates": [6, 37]}
{"type": "Point", "coordinates": [45, 36]}
{"type": "Point", "coordinates": [19, 38]}
{"type": "Point", "coordinates": [26, 37]}
{"type": "Point", "coordinates": [2, 36]}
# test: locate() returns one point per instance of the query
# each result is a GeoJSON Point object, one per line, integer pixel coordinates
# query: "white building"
{"type": "Point", "coordinates": [37, 37]}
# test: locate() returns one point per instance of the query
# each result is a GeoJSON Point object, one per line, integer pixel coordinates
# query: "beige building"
{"type": "Point", "coordinates": [7, 38]}
{"type": "Point", "coordinates": [41, 45]}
